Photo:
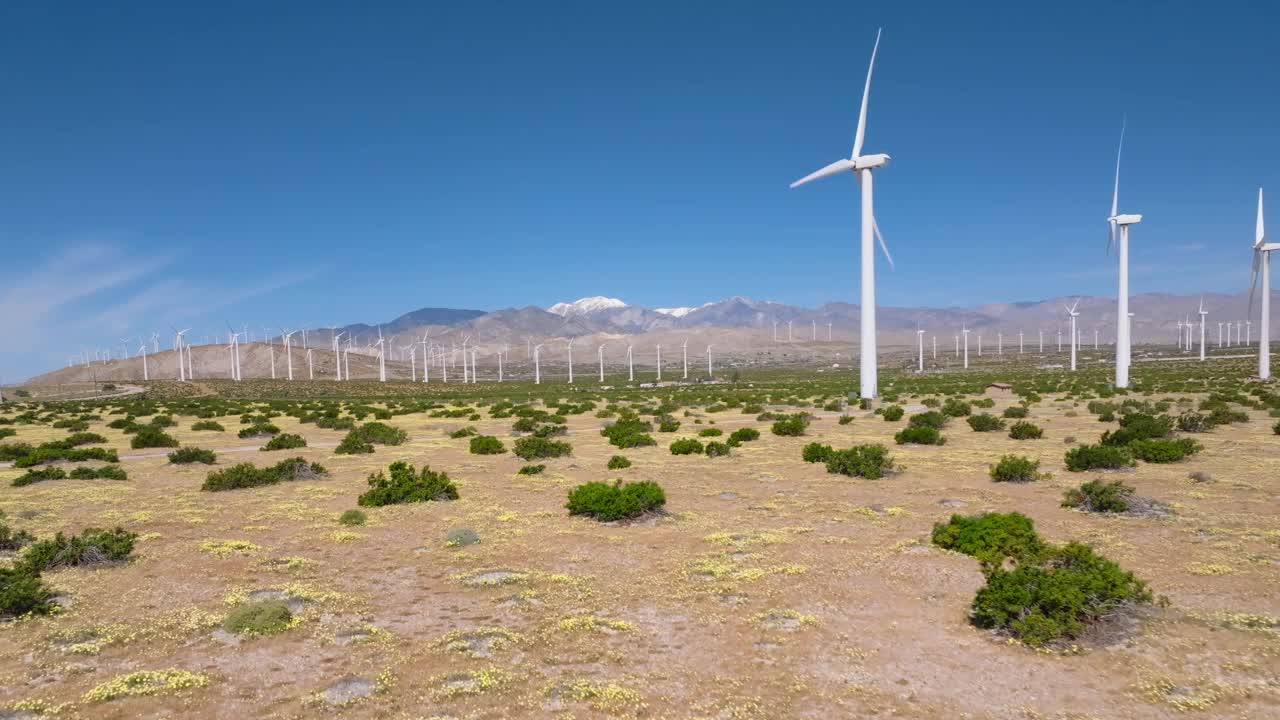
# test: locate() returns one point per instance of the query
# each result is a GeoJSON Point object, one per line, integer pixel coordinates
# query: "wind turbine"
{"type": "Point", "coordinates": [1071, 311]}
{"type": "Point", "coordinates": [964, 330]}
{"type": "Point", "coordinates": [788, 331]}
{"type": "Point", "coordinates": [631, 368]}
{"type": "Point", "coordinates": [177, 346]}
{"type": "Point", "coordinates": [659, 347]}
{"type": "Point", "coordinates": [1121, 224]}
{"type": "Point", "coordinates": [1262, 266]}
{"type": "Point", "coordinates": [710, 372]}
{"type": "Point", "coordinates": [570, 361]}
{"type": "Point", "coordinates": [382, 357]}
{"type": "Point", "coordinates": [288, 350]}
{"type": "Point", "coordinates": [337, 356]}
{"type": "Point", "coordinates": [142, 350]}
{"type": "Point", "coordinates": [684, 350]}
{"type": "Point", "coordinates": [920, 343]}
{"type": "Point", "coordinates": [600, 357]}
{"type": "Point", "coordinates": [862, 165]}
{"type": "Point", "coordinates": [537, 367]}
{"type": "Point", "coordinates": [1202, 313]}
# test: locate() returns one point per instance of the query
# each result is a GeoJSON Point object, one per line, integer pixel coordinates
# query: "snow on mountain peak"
{"type": "Point", "coordinates": [585, 305]}
{"type": "Point", "coordinates": [675, 311]}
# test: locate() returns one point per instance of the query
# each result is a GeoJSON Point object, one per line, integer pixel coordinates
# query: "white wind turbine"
{"type": "Point", "coordinates": [337, 356]}
{"type": "Point", "coordinates": [631, 368]}
{"type": "Point", "coordinates": [570, 361]}
{"type": "Point", "coordinates": [537, 366]}
{"type": "Point", "coordinates": [1121, 224]}
{"type": "Point", "coordinates": [382, 357]}
{"type": "Point", "coordinates": [920, 344]}
{"type": "Point", "coordinates": [177, 346]}
{"type": "Point", "coordinates": [600, 358]}
{"type": "Point", "coordinates": [1073, 313]}
{"type": "Point", "coordinates": [965, 331]}
{"type": "Point", "coordinates": [1262, 266]}
{"type": "Point", "coordinates": [142, 350]}
{"type": "Point", "coordinates": [1202, 313]}
{"type": "Point", "coordinates": [684, 350]}
{"type": "Point", "coordinates": [288, 351]}
{"type": "Point", "coordinates": [711, 375]}
{"type": "Point", "coordinates": [659, 348]}
{"type": "Point", "coordinates": [862, 165]}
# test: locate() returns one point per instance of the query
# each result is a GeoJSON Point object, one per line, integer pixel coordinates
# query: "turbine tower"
{"type": "Point", "coordinates": [862, 165]}
{"type": "Point", "coordinates": [1120, 225]}
{"type": "Point", "coordinates": [1262, 266]}
{"type": "Point", "coordinates": [1202, 313]}
{"type": "Point", "coordinates": [1071, 311]}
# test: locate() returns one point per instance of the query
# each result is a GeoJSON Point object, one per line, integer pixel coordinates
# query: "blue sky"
{"type": "Point", "coordinates": [309, 163]}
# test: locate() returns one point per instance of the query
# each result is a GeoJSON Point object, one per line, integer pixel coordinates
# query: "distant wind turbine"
{"type": "Point", "coordinates": [1120, 225]}
{"type": "Point", "coordinates": [1073, 314]}
{"type": "Point", "coordinates": [1202, 312]}
{"type": "Point", "coordinates": [1262, 266]}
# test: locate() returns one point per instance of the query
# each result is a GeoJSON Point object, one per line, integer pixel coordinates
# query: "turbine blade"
{"type": "Point", "coordinates": [1253, 278]}
{"type": "Point", "coordinates": [1261, 234]}
{"type": "Point", "coordinates": [1111, 236]}
{"type": "Point", "coordinates": [1115, 193]}
{"type": "Point", "coordinates": [866, 91]}
{"type": "Point", "coordinates": [875, 226]}
{"type": "Point", "coordinates": [835, 167]}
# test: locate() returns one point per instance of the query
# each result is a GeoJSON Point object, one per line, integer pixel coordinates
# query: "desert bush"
{"type": "Point", "coordinates": [954, 407]}
{"type": "Point", "coordinates": [816, 452]}
{"type": "Point", "coordinates": [1193, 422]}
{"type": "Point", "coordinates": [717, 449]}
{"type": "Point", "coordinates": [49, 452]}
{"type": "Point", "coordinates": [1226, 416]}
{"type": "Point", "coordinates": [741, 435]}
{"type": "Point", "coordinates": [285, 441]}
{"type": "Point", "coordinates": [992, 538]}
{"type": "Point", "coordinates": [381, 434]}
{"type": "Point", "coordinates": [187, 455]}
{"type": "Point", "coordinates": [892, 413]}
{"type": "Point", "coordinates": [257, 430]}
{"type": "Point", "coordinates": [93, 546]}
{"type": "Point", "coordinates": [211, 425]}
{"type": "Point", "coordinates": [1139, 426]}
{"type": "Point", "coordinates": [618, 501]}
{"type": "Point", "coordinates": [336, 423]}
{"type": "Point", "coordinates": [919, 435]}
{"type": "Point", "coordinates": [531, 470]}
{"type": "Point", "coordinates": [668, 424]}
{"type": "Point", "coordinates": [537, 448]}
{"type": "Point", "coordinates": [101, 472]}
{"type": "Point", "coordinates": [463, 432]}
{"type": "Point", "coordinates": [246, 475]}
{"type": "Point", "coordinates": [1099, 496]}
{"type": "Point", "coordinates": [845, 419]}
{"type": "Point", "coordinates": [984, 422]}
{"type": "Point", "coordinates": [1057, 598]}
{"type": "Point", "coordinates": [866, 461]}
{"type": "Point", "coordinates": [1015, 468]}
{"type": "Point", "coordinates": [932, 418]}
{"type": "Point", "coordinates": [1162, 450]}
{"type": "Point", "coordinates": [618, 462]}
{"type": "Point", "coordinates": [1097, 457]}
{"type": "Point", "coordinates": [353, 444]}
{"type": "Point", "coordinates": [686, 446]}
{"type": "Point", "coordinates": [149, 436]}
{"type": "Point", "coordinates": [264, 617]}
{"type": "Point", "coordinates": [791, 425]}
{"type": "Point", "coordinates": [352, 518]}
{"type": "Point", "coordinates": [84, 438]}
{"type": "Point", "coordinates": [1276, 428]}
{"type": "Point", "coordinates": [13, 540]}
{"type": "Point", "coordinates": [1015, 412]}
{"type": "Point", "coordinates": [31, 477]}
{"type": "Point", "coordinates": [1023, 430]}
{"type": "Point", "coordinates": [7, 432]}
{"type": "Point", "coordinates": [487, 445]}
{"type": "Point", "coordinates": [24, 593]}
{"type": "Point", "coordinates": [14, 451]}
{"type": "Point", "coordinates": [405, 484]}
{"type": "Point", "coordinates": [710, 432]}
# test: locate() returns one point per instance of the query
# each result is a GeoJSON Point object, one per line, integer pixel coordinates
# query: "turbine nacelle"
{"type": "Point", "coordinates": [870, 162]}
{"type": "Point", "coordinates": [1125, 219]}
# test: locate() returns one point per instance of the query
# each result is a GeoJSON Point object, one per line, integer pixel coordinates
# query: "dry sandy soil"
{"type": "Point", "coordinates": [770, 590]}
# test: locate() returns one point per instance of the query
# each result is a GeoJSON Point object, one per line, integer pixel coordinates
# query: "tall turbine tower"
{"type": "Point", "coordinates": [862, 165]}
{"type": "Point", "coordinates": [1071, 311]}
{"type": "Point", "coordinates": [1121, 223]}
{"type": "Point", "coordinates": [1262, 266]}
{"type": "Point", "coordinates": [1202, 313]}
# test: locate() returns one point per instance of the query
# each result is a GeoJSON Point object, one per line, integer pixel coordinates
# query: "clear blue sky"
{"type": "Point", "coordinates": [308, 163]}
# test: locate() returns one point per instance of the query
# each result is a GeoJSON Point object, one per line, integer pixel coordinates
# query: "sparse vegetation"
{"type": "Point", "coordinates": [1023, 430]}
{"type": "Point", "coordinates": [1015, 468]}
{"type": "Point", "coordinates": [608, 502]}
{"type": "Point", "coordinates": [1099, 496]}
{"type": "Point", "coordinates": [919, 435]}
{"type": "Point", "coordinates": [537, 448]}
{"type": "Point", "coordinates": [403, 483]}
{"type": "Point", "coordinates": [285, 441]}
{"type": "Point", "coordinates": [247, 475]}
{"type": "Point", "coordinates": [1098, 457]}
{"type": "Point", "coordinates": [188, 455]}
{"type": "Point", "coordinates": [618, 462]}
{"type": "Point", "coordinates": [487, 445]}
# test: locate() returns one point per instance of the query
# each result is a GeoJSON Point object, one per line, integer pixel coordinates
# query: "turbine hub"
{"type": "Point", "coordinates": [869, 162]}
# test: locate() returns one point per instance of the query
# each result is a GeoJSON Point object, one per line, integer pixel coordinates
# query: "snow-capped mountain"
{"type": "Point", "coordinates": [586, 306]}
{"type": "Point", "coordinates": [675, 312]}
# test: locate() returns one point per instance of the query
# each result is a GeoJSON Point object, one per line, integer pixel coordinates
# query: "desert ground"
{"type": "Point", "coordinates": [768, 588]}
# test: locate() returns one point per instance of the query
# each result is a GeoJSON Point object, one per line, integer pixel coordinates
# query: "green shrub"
{"type": "Point", "coordinates": [1193, 422]}
{"type": "Point", "coordinates": [463, 432]}
{"type": "Point", "coordinates": [149, 436]}
{"type": "Point", "coordinates": [531, 470]}
{"type": "Point", "coordinates": [1226, 416]}
{"type": "Point", "coordinates": [246, 475]}
{"type": "Point", "coordinates": [102, 472]}
{"type": "Point", "coordinates": [187, 455]}
{"type": "Point", "coordinates": [932, 418]}
{"type": "Point", "coordinates": [955, 407]}
{"type": "Point", "coordinates": [865, 461]}
{"type": "Point", "coordinates": [618, 462]}
{"type": "Point", "coordinates": [51, 451]}
{"type": "Point", "coordinates": [1164, 450]}
{"type": "Point", "coordinates": [352, 518]}
{"type": "Point", "coordinates": [816, 452]}
{"type": "Point", "coordinates": [1014, 468]}
{"type": "Point", "coordinates": [93, 546]}
{"type": "Point", "coordinates": [919, 435]}
{"type": "Point", "coordinates": [353, 444]}
{"type": "Point", "coordinates": [668, 424]}
{"type": "Point", "coordinates": [211, 425]}
{"type": "Point", "coordinates": [285, 441]}
{"type": "Point", "coordinates": [1276, 428]}
{"type": "Point", "coordinates": [264, 617]}
{"type": "Point", "coordinates": [15, 451]}
{"type": "Point", "coordinates": [84, 438]}
{"type": "Point", "coordinates": [892, 413]}
{"type": "Point", "coordinates": [537, 448]}
{"type": "Point", "coordinates": [717, 449]}
{"type": "Point", "coordinates": [1016, 412]}
{"type": "Point", "coordinates": [24, 593]}
{"type": "Point", "coordinates": [487, 445]}
{"type": "Point", "coordinates": [1023, 430]}
{"type": "Point", "coordinates": [845, 419]}
{"type": "Point", "coordinates": [257, 430]}
{"type": "Point", "coordinates": [991, 537]}
{"type": "Point", "coordinates": [791, 425]}
{"type": "Point", "coordinates": [13, 540]}
{"type": "Point", "coordinates": [405, 484]}
{"type": "Point", "coordinates": [1099, 496]}
{"type": "Point", "coordinates": [1057, 599]}
{"type": "Point", "coordinates": [336, 423]}
{"type": "Point", "coordinates": [31, 477]}
{"type": "Point", "coordinates": [1097, 457]}
{"type": "Point", "coordinates": [686, 446]}
{"type": "Point", "coordinates": [984, 422]}
{"type": "Point", "coordinates": [605, 502]}
{"type": "Point", "coordinates": [741, 435]}
{"type": "Point", "coordinates": [381, 434]}
{"type": "Point", "coordinates": [162, 421]}
{"type": "Point", "coordinates": [710, 432]}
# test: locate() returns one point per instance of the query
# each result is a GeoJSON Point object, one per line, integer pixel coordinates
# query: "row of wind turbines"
{"type": "Point", "coordinates": [862, 166]}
